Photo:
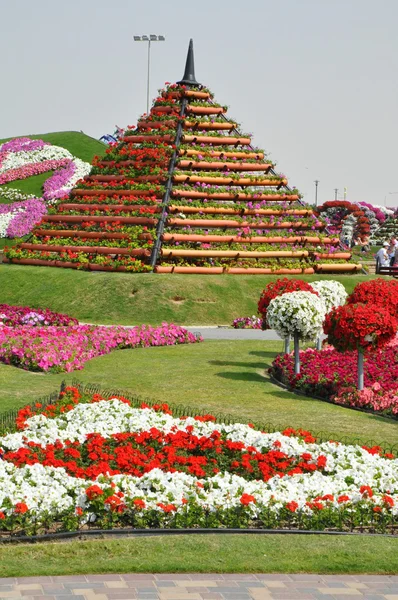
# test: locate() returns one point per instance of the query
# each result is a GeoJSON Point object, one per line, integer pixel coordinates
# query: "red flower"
{"type": "Point", "coordinates": [20, 508]}
{"type": "Point", "coordinates": [292, 506]}
{"type": "Point", "coordinates": [139, 504]}
{"type": "Point", "coordinates": [343, 498]}
{"type": "Point", "coordinates": [366, 491]}
{"type": "Point", "coordinates": [94, 491]}
{"type": "Point", "coordinates": [388, 500]}
{"type": "Point", "coordinates": [2, 515]}
{"type": "Point", "coordinates": [245, 499]}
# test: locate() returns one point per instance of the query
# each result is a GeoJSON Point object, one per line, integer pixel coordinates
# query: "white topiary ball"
{"type": "Point", "coordinates": [332, 292]}
{"type": "Point", "coordinates": [299, 313]}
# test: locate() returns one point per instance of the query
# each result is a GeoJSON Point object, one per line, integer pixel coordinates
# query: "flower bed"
{"type": "Point", "coordinates": [12, 316]}
{"type": "Point", "coordinates": [23, 157]}
{"type": "Point", "coordinates": [87, 460]}
{"type": "Point", "coordinates": [57, 349]}
{"type": "Point", "coordinates": [247, 323]}
{"type": "Point", "coordinates": [332, 375]}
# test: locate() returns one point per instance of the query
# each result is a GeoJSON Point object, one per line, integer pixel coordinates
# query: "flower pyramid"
{"type": "Point", "coordinates": [184, 192]}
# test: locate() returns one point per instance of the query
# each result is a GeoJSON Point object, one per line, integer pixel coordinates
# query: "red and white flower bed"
{"type": "Point", "coordinates": [103, 461]}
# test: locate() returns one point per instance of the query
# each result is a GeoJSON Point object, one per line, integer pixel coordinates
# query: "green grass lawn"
{"type": "Point", "coordinates": [127, 298]}
{"type": "Point", "coordinates": [217, 376]}
{"type": "Point", "coordinates": [205, 554]}
{"type": "Point", "coordinates": [78, 143]}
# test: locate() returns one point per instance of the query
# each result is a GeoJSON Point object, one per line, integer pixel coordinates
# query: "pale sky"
{"type": "Point", "coordinates": [315, 81]}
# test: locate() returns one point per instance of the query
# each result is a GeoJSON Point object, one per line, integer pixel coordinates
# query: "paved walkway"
{"type": "Point", "coordinates": [201, 587]}
{"type": "Point", "coordinates": [226, 333]}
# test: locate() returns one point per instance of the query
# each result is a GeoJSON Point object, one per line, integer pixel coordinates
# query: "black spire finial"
{"type": "Point", "coordinates": [189, 73]}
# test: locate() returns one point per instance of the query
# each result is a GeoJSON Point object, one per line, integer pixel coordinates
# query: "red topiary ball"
{"type": "Point", "coordinates": [278, 287]}
{"type": "Point", "coordinates": [383, 292]}
{"type": "Point", "coordinates": [360, 326]}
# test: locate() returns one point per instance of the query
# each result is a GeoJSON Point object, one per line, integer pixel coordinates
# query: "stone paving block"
{"type": "Point", "coordinates": [173, 577]}
{"type": "Point", "coordinates": [166, 584]}
{"type": "Point", "coordinates": [259, 594]}
{"type": "Point", "coordinates": [391, 596]}
{"type": "Point", "coordinates": [104, 578]}
{"type": "Point", "coordinates": [113, 585]}
{"type": "Point", "coordinates": [43, 597]}
{"type": "Point", "coordinates": [141, 577]}
{"type": "Point", "coordinates": [6, 580]}
{"type": "Point", "coordinates": [307, 577]}
{"type": "Point", "coordinates": [28, 586]}
{"type": "Point", "coordinates": [291, 595]}
{"type": "Point", "coordinates": [123, 595]}
{"type": "Point", "coordinates": [211, 596]}
{"type": "Point", "coordinates": [53, 588]}
{"type": "Point", "coordinates": [252, 584]}
{"type": "Point", "coordinates": [205, 583]}
{"type": "Point", "coordinates": [240, 595]}
{"type": "Point", "coordinates": [340, 591]}
{"type": "Point", "coordinates": [70, 579]}
{"type": "Point", "coordinates": [146, 585]}
{"type": "Point", "coordinates": [275, 584]}
{"type": "Point", "coordinates": [176, 593]}
{"type": "Point", "coordinates": [84, 586]}
{"type": "Point", "coordinates": [11, 594]}
{"type": "Point", "coordinates": [38, 579]}
{"type": "Point", "coordinates": [201, 576]}
{"type": "Point", "coordinates": [273, 577]}
{"type": "Point", "coordinates": [372, 597]}
{"type": "Point", "coordinates": [359, 585]}
{"type": "Point", "coordinates": [239, 577]}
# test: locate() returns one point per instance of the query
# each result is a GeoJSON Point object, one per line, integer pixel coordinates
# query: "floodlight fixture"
{"type": "Point", "coordinates": [148, 38]}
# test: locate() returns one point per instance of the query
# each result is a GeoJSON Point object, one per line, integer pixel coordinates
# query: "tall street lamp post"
{"type": "Point", "coordinates": [316, 191]}
{"type": "Point", "coordinates": [149, 38]}
{"type": "Point", "coordinates": [335, 193]}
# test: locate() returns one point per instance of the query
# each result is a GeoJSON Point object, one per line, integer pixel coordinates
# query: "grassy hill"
{"type": "Point", "coordinates": [79, 144]}
{"type": "Point", "coordinates": [130, 299]}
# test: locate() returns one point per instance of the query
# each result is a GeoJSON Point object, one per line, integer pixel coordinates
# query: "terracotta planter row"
{"type": "Point", "coordinates": [194, 110]}
{"type": "Point", "coordinates": [205, 110]}
{"type": "Point", "coordinates": [107, 192]}
{"type": "Point", "coordinates": [61, 264]}
{"type": "Point", "coordinates": [209, 126]}
{"type": "Point", "coordinates": [233, 196]}
{"type": "Point", "coordinates": [107, 178]}
{"type": "Point", "coordinates": [219, 166]}
{"type": "Point", "coordinates": [216, 140]}
{"type": "Point", "coordinates": [187, 94]}
{"type": "Point", "coordinates": [140, 139]}
{"type": "Point", "coordinates": [206, 223]}
{"type": "Point", "coordinates": [258, 155]}
{"type": "Point", "coordinates": [170, 253]}
{"type": "Point", "coordinates": [97, 219]}
{"type": "Point", "coordinates": [342, 268]}
{"type": "Point", "coordinates": [231, 239]}
{"type": "Point", "coordinates": [101, 235]}
{"type": "Point", "coordinates": [228, 181]}
{"type": "Point", "coordinates": [88, 249]}
{"type": "Point", "coordinates": [237, 211]}
{"type": "Point", "coordinates": [232, 271]}
{"type": "Point", "coordinates": [170, 124]}
{"type": "Point", "coordinates": [335, 255]}
{"type": "Point", "coordinates": [124, 207]}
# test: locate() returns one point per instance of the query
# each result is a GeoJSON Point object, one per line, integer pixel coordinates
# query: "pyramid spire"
{"type": "Point", "coordinates": [189, 73]}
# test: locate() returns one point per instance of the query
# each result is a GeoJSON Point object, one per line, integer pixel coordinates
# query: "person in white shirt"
{"type": "Point", "coordinates": [382, 258]}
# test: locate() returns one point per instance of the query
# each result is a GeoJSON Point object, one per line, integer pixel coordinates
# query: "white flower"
{"type": "Point", "coordinates": [332, 292]}
{"type": "Point", "coordinates": [299, 313]}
